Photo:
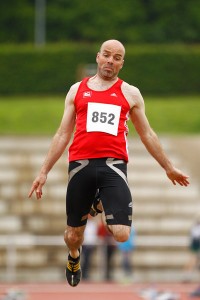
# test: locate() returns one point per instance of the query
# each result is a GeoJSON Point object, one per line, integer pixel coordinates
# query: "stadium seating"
{"type": "Point", "coordinates": [31, 242]}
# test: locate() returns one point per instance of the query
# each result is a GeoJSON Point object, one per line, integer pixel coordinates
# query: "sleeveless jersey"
{"type": "Point", "coordinates": [101, 128]}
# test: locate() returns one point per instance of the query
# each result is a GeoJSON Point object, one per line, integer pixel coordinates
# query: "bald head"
{"type": "Point", "coordinates": [110, 59]}
{"type": "Point", "coordinates": [114, 44]}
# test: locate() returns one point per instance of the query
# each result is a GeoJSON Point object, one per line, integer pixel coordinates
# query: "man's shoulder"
{"type": "Point", "coordinates": [129, 88]}
{"type": "Point", "coordinates": [75, 86]}
{"type": "Point", "coordinates": [73, 89]}
{"type": "Point", "coordinates": [130, 91]}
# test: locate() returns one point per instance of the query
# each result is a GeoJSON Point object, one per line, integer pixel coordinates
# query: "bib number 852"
{"type": "Point", "coordinates": [103, 117]}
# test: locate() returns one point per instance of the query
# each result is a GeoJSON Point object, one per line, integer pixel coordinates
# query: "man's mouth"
{"type": "Point", "coordinates": [108, 68]}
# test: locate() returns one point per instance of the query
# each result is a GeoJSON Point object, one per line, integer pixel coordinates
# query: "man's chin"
{"type": "Point", "coordinates": [108, 75]}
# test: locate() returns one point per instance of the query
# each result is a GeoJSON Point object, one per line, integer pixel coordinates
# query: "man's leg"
{"type": "Point", "coordinates": [120, 233]}
{"type": "Point", "coordinates": [73, 237]}
{"type": "Point", "coordinates": [114, 200]}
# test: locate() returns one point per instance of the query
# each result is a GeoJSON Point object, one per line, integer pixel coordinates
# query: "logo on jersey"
{"type": "Point", "coordinates": [113, 95]}
{"type": "Point", "coordinates": [87, 94]}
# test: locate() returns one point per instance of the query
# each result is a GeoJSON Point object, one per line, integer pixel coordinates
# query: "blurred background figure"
{"type": "Point", "coordinates": [194, 246]}
{"type": "Point", "coordinates": [126, 250]}
{"type": "Point", "coordinates": [89, 246]}
{"type": "Point", "coordinates": [14, 294]}
{"type": "Point", "coordinates": [108, 249]}
{"type": "Point", "coordinates": [196, 292]}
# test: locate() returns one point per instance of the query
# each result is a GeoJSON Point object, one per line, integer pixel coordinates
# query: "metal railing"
{"type": "Point", "coordinates": [13, 242]}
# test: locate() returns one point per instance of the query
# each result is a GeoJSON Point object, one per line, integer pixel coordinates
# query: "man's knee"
{"type": "Point", "coordinates": [120, 233]}
{"type": "Point", "coordinates": [73, 235]}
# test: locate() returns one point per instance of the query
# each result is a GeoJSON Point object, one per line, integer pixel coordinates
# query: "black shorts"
{"type": "Point", "coordinates": [109, 176]}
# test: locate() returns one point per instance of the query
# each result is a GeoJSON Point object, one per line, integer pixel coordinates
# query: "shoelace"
{"type": "Point", "coordinates": [72, 266]}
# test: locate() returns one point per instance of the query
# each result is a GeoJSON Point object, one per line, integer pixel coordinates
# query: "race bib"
{"type": "Point", "coordinates": [103, 118]}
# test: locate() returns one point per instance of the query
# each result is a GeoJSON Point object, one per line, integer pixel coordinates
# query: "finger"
{"type": "Point", "coordinates": [39, 191]}
{"type": "Point", "coordinates": [183, 182]}
{"type": "Point", "coordinates": [33, 188]}
{"type": "Point", "coordinates": [38, 195]}
{"type": "Point", "coordinates": [186, 182]}
{"type": "Point", "coordinates": [186, 176]}
{"type": "Point", "coordinates": [173, 181]}
{"type": "Point", "coordinates": [31, 191]}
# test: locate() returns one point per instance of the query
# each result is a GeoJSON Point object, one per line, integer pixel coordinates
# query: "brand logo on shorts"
{"type": "Point", "coordinates": [113, 95]}
{"type": "Point", "coordinates": [130, 204]}
{"type": "Point", "coordinates": [109, 217]}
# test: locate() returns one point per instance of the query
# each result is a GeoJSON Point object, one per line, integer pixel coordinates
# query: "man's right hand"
{"type": "Point", "coordinates": [37, 186]}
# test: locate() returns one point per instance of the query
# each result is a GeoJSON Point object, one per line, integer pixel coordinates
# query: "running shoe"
{"type": "Point", "coordinates": [73, 270]}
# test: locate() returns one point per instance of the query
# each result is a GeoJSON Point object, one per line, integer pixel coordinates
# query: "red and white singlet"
{"type": "Point", "coordinates": [101, 128]}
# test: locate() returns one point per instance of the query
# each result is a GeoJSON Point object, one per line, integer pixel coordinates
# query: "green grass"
{"type": "Point", "coordinates": [41, 115]}
{"type": "Point", "coordinates": [174, 114]}
{"type": "Point", "coordinates": [30, 115]}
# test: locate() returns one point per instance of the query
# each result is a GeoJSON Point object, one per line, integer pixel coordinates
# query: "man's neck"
{"type": "Point", "coordinates": [99, 84]}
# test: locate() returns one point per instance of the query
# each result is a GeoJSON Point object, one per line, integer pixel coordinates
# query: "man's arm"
{"type": "Point", "coordinates": [151, 141]}
{"type": "Point", "coordinates": [58, 144]}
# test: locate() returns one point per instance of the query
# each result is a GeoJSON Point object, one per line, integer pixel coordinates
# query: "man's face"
{"type": "Point", "coordinates": [110, 60]}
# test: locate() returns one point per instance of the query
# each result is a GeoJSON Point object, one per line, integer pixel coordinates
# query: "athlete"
{"type": "Point", "coordinates": [98, 107]}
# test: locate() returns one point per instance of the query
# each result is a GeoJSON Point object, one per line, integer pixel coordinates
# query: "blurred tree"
{"type": "Point", "coordinates": [171, 21]}
{"type": "Point", "coordinates": [16, 21]}
{"type": "Point", "coordinates": [131, 21]}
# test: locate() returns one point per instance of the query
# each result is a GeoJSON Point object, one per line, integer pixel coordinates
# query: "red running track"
{"type": "Point", "coordinates": [96, 291]}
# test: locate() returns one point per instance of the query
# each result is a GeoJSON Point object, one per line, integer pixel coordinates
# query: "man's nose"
{"type": "Point", "coordinates": [110, 59]}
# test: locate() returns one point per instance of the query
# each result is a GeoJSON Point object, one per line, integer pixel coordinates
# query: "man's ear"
{"type": "Point", "coordinates": [97, 57]}
{"type": "Point", "coordinates": [122, 64]}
